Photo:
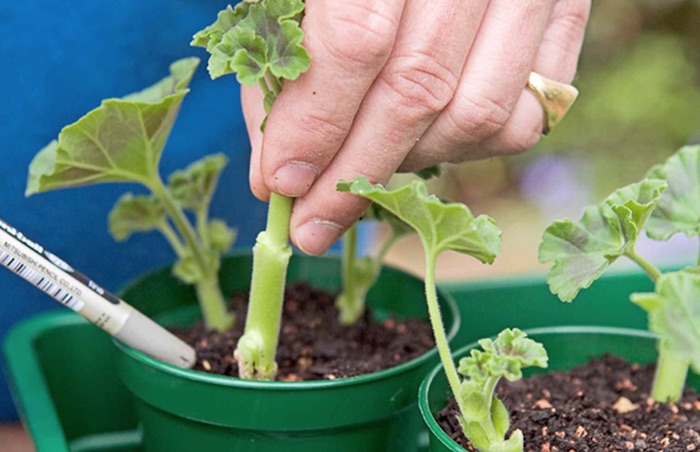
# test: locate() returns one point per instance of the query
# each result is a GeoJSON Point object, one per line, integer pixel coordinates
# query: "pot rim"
{"type": "Point", "coordinates": [444, 297]}
{"type": "Point", "coordinates": [423, 391]}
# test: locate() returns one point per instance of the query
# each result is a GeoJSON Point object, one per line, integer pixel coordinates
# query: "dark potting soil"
{"type": "Point", "coordinates": [313, 345]}
{"type": "Point", "coordinates": [603, 405]}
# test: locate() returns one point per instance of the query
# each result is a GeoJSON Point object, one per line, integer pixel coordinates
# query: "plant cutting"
{"type": "Point", "coordinates": [442, 227]}
{"type": "Point", "coordinates": [360, 273]}
{"type": "Point", "coordinates": [122, 142]}
{"type": "Point", "coordinates": [665, 203]}
{"type": "Point", "coordinates": [483, 416]}
{"type": "Point", "coordinates": [261, 43]}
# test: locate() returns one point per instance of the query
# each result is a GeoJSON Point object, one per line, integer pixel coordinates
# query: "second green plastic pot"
{"type": "Point", "coordinates": [183, 410]}
{"type": "Point", "coordinates": [567, 347]}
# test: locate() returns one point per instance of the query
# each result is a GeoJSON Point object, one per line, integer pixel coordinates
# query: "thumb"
{"type": "Point", "coordinates": [254, 114]}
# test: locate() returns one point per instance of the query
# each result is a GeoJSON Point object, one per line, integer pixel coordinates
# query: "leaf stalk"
{"type": "Point", "coordinates": [650, 269]}
{"type": "Point", "coordinates": [670, 376]}
{"type": "Point", "coordinates": [437, 324]}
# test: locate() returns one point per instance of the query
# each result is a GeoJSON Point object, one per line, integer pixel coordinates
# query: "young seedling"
{"type": "Point", "coordinates": [484, 417]}
{"type": "Point", "coordinates": [441, 227]}
{"type": "Point", "coordinates": [360, 273]}
{"type": "Point", "coordinates": [665, 203]}
{"type": "Point", "coordinates": [261, 43]}
{"type": "Point", "coordinates": [122, 141]}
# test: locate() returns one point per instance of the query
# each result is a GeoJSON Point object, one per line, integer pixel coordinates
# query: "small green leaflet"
{"type": "Point", "coordinates": [582, 251]}
{"type": "Point", "coordinates": [187, 270]}
{"type": "Point", "coordinates": [674, 314]}
{"type": "Point", "coordinates": [194, 186]}
{"type": "Point", "coordinates": [503, 357]}
{"type": "Point", "coordinates": [441, 226]}
{"type": "Point", "coordinates": [221, 236]}
{"type": "Point", "coordinates": [255, 38]}
{"type": "Point", "coordinates": [485, 418]}
{"type": "Point", "coordinates": [135, 214]}
{"type": "Point", "coordinates": [225, 20]}
{"type": "Point", "coordinates": [120, 141]}
{"type": "Point", "coordinates": [679, 208]}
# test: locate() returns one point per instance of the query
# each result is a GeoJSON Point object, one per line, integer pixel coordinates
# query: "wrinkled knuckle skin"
{"type": "Point", "coordinates": [570, 22]}
{"type": "Point", "coordinates": [420, 81]}
{"type": "Point", "coordinates": [520, 141]}
{"type": "Point", "coordinates": [318, 128]}
{"type": "Point", "coordinates": [360, 35]}
{"type": "Point", "coordinates": [479, 117]}
{"type": "Point", "coordinates": [575, 15]}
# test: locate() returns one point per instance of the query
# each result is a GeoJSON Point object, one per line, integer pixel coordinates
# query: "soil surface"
{"type": "Point", "coordinates": [313, 345]}
{"type": "Point", "coordinates": [603, 405]}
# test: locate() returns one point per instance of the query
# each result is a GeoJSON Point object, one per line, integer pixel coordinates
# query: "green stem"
{"type": "Point", "coordinates": [203, 226]}
{"type": "Point", "coordinates": [489, 391]}
{"type": "Point", "coordinates": [266, 92]}
{"type": "Point", "coordinates": [349, 254]}
{"type": "Point", "coordinates": [172, 238]}
{"type": "Point", "coordinates": [669, 380]}
{"type": "Point", "coordinates": [438, 326]}
{"type": "Point", "coordinates": [698, 265]}
{"type": "Point", "coordinates": [275, 84]}
{"type": "Point", "coordinates": [647, 266]}
{"type": "Point", "coordinates": [211, 299]}
{"type": "Point", "coordinates": [182, 225]}
{"type": "Point", "coordinates": [350, 303]}
{"type": "Point", "coordinates": [263, 86]}
{"type": "Point", "coordinates": [258, 346]}
{"type": "Point", "coordinates": [278, 215]}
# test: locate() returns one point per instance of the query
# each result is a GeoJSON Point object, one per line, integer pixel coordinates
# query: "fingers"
{"type": "Point", "coordinates": [349, 42]}
{"type": "Point", "coordinates": [417, 82]}
{"type": "Point", "coordinates": [491, 84]}
{"type": "Point", "coordinates": [556, 59]}
{"type": "Point", "coordinates": [254, 113]}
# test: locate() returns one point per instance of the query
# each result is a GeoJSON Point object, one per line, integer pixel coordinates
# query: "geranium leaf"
{"type": "Point", "coordinates": [583, 250]}
{"type": "Point", "coordinates": [441, 226]}
{"type": "Point", "coordinates": [503, 357]}
{"type": "Point", "coordinates": [252, 40]}
{"type": "Point", "coordinates": [221, 236]}
{"type": "Point", "coordinates": [679, 208]}
{"type": "Point", "coordinates": [194, 186]}
{"type": "Point", "coordinates": [120, 141]}
{"type": "Point", "coordinates": [225, 20]}
{"type": "Point", "coordinates": [135, 213]}
{"type": "Point", "coordinates": [674, 314]}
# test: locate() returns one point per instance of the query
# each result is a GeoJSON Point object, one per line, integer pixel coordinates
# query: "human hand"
{"type": "Point", "coordinates": [403, 85]}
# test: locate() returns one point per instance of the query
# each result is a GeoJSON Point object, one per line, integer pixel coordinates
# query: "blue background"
{"type": "Point", "coordinates": [59, 60]}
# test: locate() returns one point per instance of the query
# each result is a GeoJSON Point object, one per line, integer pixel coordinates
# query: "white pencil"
{"type": "Point", "coordinates": [59, 280]}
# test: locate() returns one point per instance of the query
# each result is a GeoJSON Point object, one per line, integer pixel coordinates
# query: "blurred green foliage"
{"type": "Point", "coordinates": [634, 111]}
{"type": "Point", "coordinates": [640, 91]}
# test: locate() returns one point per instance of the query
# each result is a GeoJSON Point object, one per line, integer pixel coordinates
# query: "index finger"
{"type": "Point", "coordinates": [348, 42]}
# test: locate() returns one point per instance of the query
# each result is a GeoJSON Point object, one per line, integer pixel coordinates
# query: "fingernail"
{"type": "Point", "coordinates": [294, 179]}
{"type": "Point", "coordinates": [316, 236]}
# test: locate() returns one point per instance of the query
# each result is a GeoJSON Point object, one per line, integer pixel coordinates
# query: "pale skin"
{"type": "Point", "coordinates": [400, 85]}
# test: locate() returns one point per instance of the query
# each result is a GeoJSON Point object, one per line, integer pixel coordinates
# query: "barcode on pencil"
{"type": "Point", "coordinates": [43, 283]}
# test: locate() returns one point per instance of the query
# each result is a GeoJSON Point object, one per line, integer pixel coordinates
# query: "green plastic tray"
{"type": "Point", "coordinates": [62, 371]}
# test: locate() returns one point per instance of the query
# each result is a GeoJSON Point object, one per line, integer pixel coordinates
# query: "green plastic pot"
{"type": "Point", "coordinates": [184, 410]}
{"type": "Point", "coordinates": [567, 347]}
{"type": "Point", "coordinates": [63, 376]}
